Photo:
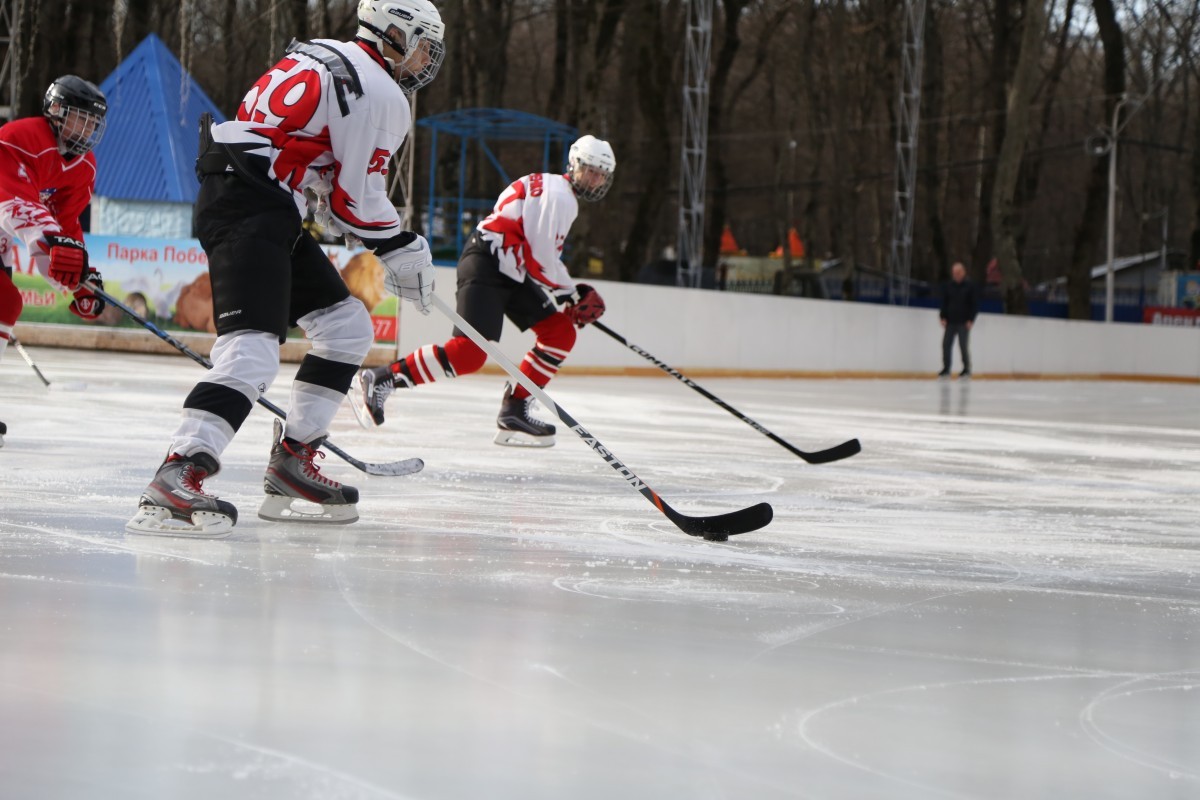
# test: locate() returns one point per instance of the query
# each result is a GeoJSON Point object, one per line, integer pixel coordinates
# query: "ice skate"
{"type": "Point", "coordinates": [517, 427]}
{"type": "Point", "coordinates": [3, 430]}
{"type": "Point", "coordinates": [175, 503]}
{"type": "Point", "coordinates": [370, 390]}
{"type": "Point", "coordinates": [293, 476]}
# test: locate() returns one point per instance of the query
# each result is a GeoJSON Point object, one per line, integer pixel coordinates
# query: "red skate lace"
{"type": "Point", "coordinates": [191, 478]}
{"type": "Point", "coordinates": [307, 455]}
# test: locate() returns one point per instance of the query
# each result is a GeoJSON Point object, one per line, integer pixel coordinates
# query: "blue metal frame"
{"type": "Point", "coordinates": [482, 125]}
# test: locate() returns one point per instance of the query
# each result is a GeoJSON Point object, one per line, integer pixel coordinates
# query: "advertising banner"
{"type": "Point", "coordinates": [1179, 317]}
{"type": "Point", "coordinates": [166, 281]}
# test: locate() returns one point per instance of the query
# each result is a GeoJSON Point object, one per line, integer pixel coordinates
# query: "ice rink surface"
{"type": "Point", "coordinates": [998, 598]}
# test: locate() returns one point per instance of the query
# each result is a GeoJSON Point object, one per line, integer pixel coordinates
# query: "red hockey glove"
{"type": "Point", "coordinates": [586, 307]}
{"type": "Point", "coordinates": [68, 259]}
{"type": "Point", "coordinates": [87, 304]}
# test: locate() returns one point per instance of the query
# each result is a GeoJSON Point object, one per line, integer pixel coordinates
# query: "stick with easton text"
{"type": "Point", "coordinates": [393, 468]}
{"type": "Point", "coordinates": [835, 453]}
{"type": "Point", "coordinates": [718, 528]}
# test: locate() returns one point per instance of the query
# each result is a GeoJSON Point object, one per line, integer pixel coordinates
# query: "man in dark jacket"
{"type": "Point", "coordinates": [959, 307]}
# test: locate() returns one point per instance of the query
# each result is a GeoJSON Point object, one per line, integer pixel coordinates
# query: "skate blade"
{"type": "Point", "coordinates": [519, 439]}
{"type": "Point", "coordinates": [278, 508]}
{"type": "Point", "coordinates": [158, 521]}
{"type": "Point", "coordinates": [358, 404]}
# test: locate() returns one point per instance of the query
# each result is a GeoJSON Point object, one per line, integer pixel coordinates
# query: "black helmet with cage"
{"type": "Point", "coordinates": [76, 110]}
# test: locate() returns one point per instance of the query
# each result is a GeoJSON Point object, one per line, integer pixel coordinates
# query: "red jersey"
{"type": "Point", "coordinates": [41, 191]}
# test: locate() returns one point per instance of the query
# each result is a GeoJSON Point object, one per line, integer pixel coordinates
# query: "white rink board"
{"type": "Point", "coordinates": [707, 330]}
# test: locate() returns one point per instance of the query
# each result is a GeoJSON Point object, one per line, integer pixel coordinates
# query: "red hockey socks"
{"type": "Point", "coordinates": [555, 338]}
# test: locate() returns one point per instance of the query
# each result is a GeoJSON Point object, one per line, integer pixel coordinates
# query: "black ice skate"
{"type": "Point", "coordinates": [3, 430]}
{"type": "Point", "coordinates": [292, 475]}
{"type": "Point", "coordinates": [374, 387]}
{"type": "Point", "coordinates": [175, 503]}
{"type": "Point", "coordinates": [517, 427]}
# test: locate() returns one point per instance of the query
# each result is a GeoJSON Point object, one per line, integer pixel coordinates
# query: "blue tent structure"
{"type": "Point", "coordinates": [481, 125]}
{"type": "Point", "coordinates": [146, 181]}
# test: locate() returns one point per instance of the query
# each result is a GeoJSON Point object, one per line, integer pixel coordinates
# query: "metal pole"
{"type": "Point", "coordinates": [1162, 259]}
{"type": "Point", "coordinates": [1110, 275]}
{"type": "Point", "coordinates": [1112, 214]}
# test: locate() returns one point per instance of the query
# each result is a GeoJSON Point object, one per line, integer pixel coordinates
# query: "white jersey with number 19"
{"type": "Point", "coordinates": [327, 117]}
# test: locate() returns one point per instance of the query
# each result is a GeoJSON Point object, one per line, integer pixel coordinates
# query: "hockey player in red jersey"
{"type": "Point", "coordinates": [326, 118]}
{"type": "Point", "coordinates": [512, 267]}
{"type": "Point", "coordinates": [47, 174]}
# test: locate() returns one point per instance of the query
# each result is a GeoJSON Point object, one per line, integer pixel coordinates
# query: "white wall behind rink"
{"type": "Point", "coordinates": [708, 332]}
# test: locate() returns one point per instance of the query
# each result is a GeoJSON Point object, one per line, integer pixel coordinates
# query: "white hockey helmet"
{"type": "Point", "coordinates": [590, 167]}
{"type": "Point", "coordinates": [413, 27]}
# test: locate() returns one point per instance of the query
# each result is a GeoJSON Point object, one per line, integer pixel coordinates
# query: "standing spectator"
{"type": "Point", "coordinates": [47, 174]}
{"type": "Point", "coordinates": [959, 309]}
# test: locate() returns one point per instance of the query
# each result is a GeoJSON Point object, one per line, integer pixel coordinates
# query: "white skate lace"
{"type": "Point", "coordinates": [382, 391]}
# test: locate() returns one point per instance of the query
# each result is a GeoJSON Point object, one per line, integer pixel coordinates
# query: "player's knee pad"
{"type": "Point", "coordinates": [556, 332]}
{"type": "Point", "coordinates": [465, 356]}
{"type": "Point", "coordinates": [342, 332]}
{"type": "Point", "coordinates": [247, 361]}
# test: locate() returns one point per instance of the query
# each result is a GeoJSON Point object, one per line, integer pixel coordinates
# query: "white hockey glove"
{"type": "Point", "coordinates": [408, 273]}
{"type": "Point", "coordinates": [322, 213]}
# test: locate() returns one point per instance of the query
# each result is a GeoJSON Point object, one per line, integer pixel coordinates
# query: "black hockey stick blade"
{"type": "Point", "coordinates": [716, 528]}
{"type": "Point", "coordinates": [391, 468]}
{"type": "Point", "coordinates": [720, 527]}
{"type": "Point", "coordinates": [837, 453]}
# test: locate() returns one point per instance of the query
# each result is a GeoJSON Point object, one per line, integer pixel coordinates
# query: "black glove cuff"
{"type": "Point", "coordinates": [58, 240]}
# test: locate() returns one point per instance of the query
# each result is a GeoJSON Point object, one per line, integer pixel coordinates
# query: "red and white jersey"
{"type": "Point", "coordinates": [527, 228]}
{"type": "Point", "coordinates": [332, 133]}
{"type": "Point", "coordinates": [40, 191]}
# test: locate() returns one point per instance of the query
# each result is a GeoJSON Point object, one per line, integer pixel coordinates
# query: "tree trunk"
{"type": "Point", "coordinates": [931, 101]}
{"type": "Point", "coordinates": [1006, 216]}
{"type": "Point", "coordinates": [992, 133]}
{"type": "Point", "coordinates": [1083, 254]}
{"type": "Point", "coordinates": [731, 42]}
{"type": "Point", "coordinates": [653, 59]}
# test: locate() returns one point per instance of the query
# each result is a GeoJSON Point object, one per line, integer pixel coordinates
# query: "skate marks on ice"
{"type": "Point", "coordinates": [501, 665]}
{"type": "Point", "coordinates": [1140, 734]}
{"type": "Point", "coordinates": [180, 760]}
{"type": "Point", "coordinates": [1154, 692]}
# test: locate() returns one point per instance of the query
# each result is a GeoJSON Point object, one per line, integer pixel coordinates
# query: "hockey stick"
{"type": "Point", "coordinates": [718, 528]}
{"type": "Point", "coordinates": [28, 360]}
{"type": "Point", "coordinates": [835, 453]}
{"type": "Point", "coordinates": [70, 386]}
{"type": "Point", "coordinates": [392, 468]}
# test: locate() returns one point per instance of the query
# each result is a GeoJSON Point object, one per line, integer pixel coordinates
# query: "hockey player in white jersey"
{"type": "Point", "coordinates": [512, 267]}
{"type": "Point", "coordinates": [327, 118]}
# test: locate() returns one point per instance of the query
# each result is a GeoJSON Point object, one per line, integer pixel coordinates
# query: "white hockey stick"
{"type": "Point", "coordinates": [72, 386]}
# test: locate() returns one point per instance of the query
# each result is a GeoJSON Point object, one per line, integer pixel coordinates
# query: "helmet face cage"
{"type": "Point", "coordinates": [436, 51]}
{"type": "Point", "coordinates": [76, 110]}
{"type": "Point", "coordinates": [412, 27]}
{"type": "Point", "coordinates": [597, 155]}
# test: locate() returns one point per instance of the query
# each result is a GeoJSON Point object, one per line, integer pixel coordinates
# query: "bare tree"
{"type": "Point", "coordinates": [1079, 276]}
{"type": "Point", "coordinates": [1006, 217]}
